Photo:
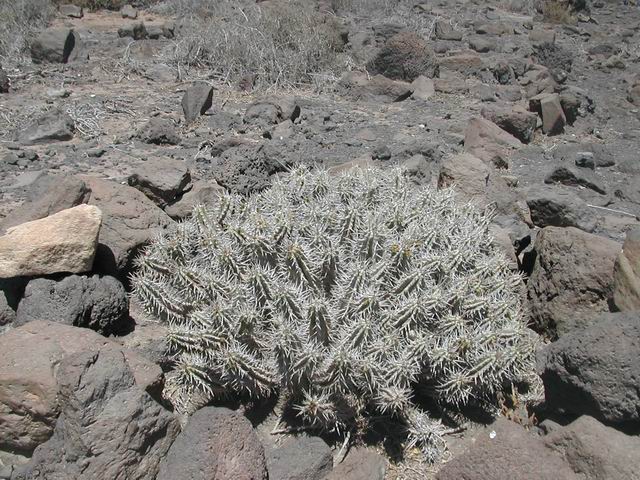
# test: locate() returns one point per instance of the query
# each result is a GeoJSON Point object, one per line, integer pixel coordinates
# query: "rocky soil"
{"type": "Point", "coordinates": [104, 145]}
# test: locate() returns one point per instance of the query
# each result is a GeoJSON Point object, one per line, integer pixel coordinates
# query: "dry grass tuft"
{"type": "Point", "coordinates": [402, 12]}
{"type": "Point", "coordinates": [105, 4]}
{"type": "Point", "coordinates": [365, 7]}
{"type": "Point", "coordinates": [19, 20]}
{"type": "Point", "coordinates": [558, 11]}
{"type": "Point", "coordinates": [279, 45]}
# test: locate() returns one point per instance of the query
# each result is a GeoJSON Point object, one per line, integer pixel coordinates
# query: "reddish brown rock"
{"type": "Point", "coordinates": [553, 117]}
{"type": "Point", "coordinates": [216, 444]}
{"type": "Point", "coordinates": [481, 184]}
{"type": "Point", "coordinates": [506, 451]}
{"type": "Point", "coordinates": [572, 278]}
{"type": "Point", "coordinates": [597, 451]}
{"type": "Point", "coordinates": [29, 402]}
{"type": "Point", "coordinates": [130, 220]}
{"type": "Point", "coordinates": [517, 121]}
{"type": "Point", "coordinates": [488, 142]}
{"type": "Point", "coordinates": [626, 285]}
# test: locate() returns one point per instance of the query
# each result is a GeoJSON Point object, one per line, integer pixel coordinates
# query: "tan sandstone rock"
{"type": "Point", "coordinates": [63, 242]}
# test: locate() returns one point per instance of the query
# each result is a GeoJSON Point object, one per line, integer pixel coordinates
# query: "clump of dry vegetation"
{"type": "Point", "coordinates": [19, 20]}
{"type": "Point", "coordinates": [280, 45]}
{"type": "Point", "coordinates": [406, 13]}
{"type": "Point", "coordinates": [558, 11]}
{"type": "Point", "coordinates": [104, 4]}
{"type": "Point", "coordinates": [94, 4]}
{"type": "Point", "coordinates": [365, 7]}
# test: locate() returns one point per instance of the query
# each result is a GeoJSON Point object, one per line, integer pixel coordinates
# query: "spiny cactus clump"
{"type": "Point", "coordinates": [341, 293]}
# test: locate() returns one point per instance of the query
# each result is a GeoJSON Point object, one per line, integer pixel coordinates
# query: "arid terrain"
{"type": "Point", "coordinates": [116, 120]}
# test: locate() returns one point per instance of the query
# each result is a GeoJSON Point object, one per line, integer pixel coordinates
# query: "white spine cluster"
{"type": "Point", "coordinates": [342, 293]}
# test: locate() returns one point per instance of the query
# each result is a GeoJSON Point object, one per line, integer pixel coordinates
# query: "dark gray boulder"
{"type": "Point", "coordinates": [159, 131]}
{"type": "Point", "coordinates": [57, 45]}
{"type": "Point", "coordinates": [53, 126]}
{"type": "Point", "coordinates": [216, 444]}
{"type": "Point", "coordinates": [559, 206]}
{"type": "Point", "coordinates": [223, 121]}
{"type": "Point", "coordinates": [595, 371]}
{"type": "Point", "coordinates": [162, 180]}
{"type": "Point", "coordinates": [248, 168]}
{"type": "Point", "coordinates": [482, 43]}
{"type": "Point", "coordinates": [95, 302]}
{"type": "Point", "coordinates": [585, 160]}
{"type": "Point", "coordinates": [262, 114]}
{"type": "Point", "coordinates": [554, 56]}
{"type": "Point", "coordinates": [197, 100]}
{"type": "Point", "coordinates": [49, 194]}
{"type": "Point", "coordinates": [4, 82]}
{"type": "Point", "coordinates": [573, 176]}
{"type": "Point", "coordinates": [154, 32]}
{"type": "Point", "coordinates": [633, 93]}
{"type": "Point", "coordinates": [270, 111]}
{"type": "Point", "coordinates": [7, 311]}
{"type": "Point", "coordinates": [444, 31]}
{"type": "Point", "coordinates": [137, 31]}
{"type": "Point", "coordinates": [10, 293]}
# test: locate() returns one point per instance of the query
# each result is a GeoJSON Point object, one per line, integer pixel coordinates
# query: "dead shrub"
{"type": "Point", "coordinates": [105, 4]}
{"type": "Point", "coordinates": [523, 7]}
{"type": "Point", "coordinates": [558, 11]}
{"type": "Point", "coordinates": [19, 20]}
{"type": "Point", "coordinates": [375, 12]}
{"type": "Point", "coordinates": [364, 7]}
{"type": "Point", "coordinates": [280, 44]}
